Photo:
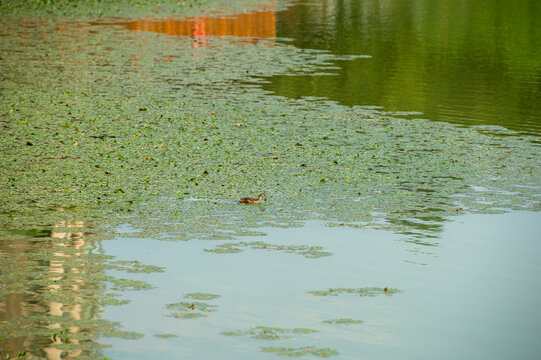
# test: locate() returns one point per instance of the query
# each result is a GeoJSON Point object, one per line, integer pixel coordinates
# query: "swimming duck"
{"type": "Point", "coordinates": [250, 200]}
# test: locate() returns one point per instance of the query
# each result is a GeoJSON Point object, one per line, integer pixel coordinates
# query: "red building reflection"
{"type": "Point", "coordinates": [253, 26]}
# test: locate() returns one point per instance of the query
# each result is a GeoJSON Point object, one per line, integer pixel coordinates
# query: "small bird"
{"type": "Point", "coordinates": [251, 200]}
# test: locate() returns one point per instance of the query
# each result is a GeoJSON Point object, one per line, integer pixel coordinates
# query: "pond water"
{"type": "Point", "coordinates": [397, 143]}
{"type": "Point", "coordinates": [462, 62]}
{"type": "Point", "coordinates": [472, 295]}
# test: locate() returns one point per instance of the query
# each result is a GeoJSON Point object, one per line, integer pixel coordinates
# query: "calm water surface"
{"type": "Point", "coordinates": [473, 295]}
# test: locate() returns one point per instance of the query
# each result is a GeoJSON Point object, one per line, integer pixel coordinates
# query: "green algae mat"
{"type": "Point", "coordinates": [97, 125]}
{"type": "Point", "coordinates": [92, 9]}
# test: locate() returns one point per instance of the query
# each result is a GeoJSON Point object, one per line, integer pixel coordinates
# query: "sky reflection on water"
{"type": "Point", "coordinates": [472, 296]}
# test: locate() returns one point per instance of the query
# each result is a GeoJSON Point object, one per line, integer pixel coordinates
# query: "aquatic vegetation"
{"type": "Point", "coordinates": [127, 335]}
{"type": "Point", "coordinates": [277, 333]}
{"type": "Point", "coordinates": [301, 351]}
{"type": "Point", "coordinates": [62, 336]}
{"type": "Point", "coordinates": [128, 284]}
{"type": "Point", "coordinates": [269, 333]}
{"type": "Point", "coordinates": [190, 310]}
{"type": "Point", "coordinates": [191, 306]}
{"type": "Point", "coordinates": [201, 296]}
{"type": "Point", "coordinates": [62, 278]}
{"type": "Point", "coordinates": [182, 315]}
{"type": "Point", "coordinates": [343, 321]}
{"type": "Point", "coordinates": [228, 248]}
{"type": "Point", "coordinates": [369, 291]}
{"type": "Point", "coordinates": [135, 266]}
{"type": "Point", "coordinates": [20, 354]}
{"type": "Point", "coordinates": [115, 302]}
{"type": "Point", "coordinates": [102, 159]}
{"type": "Point", "coordinates": [166, 336]}
{"type": "Point", "coordinates": [73, 334]}
{"type": "Point", "coordinates": [124, 8]}
{"type": "Point", "coordinates": [311, 252]}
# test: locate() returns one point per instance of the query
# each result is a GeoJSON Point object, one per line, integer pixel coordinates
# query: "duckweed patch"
{"type": "Point", "coordinates": [74, 334]}
{"type": "Point", "coordinates": [127, 335]}
{"type": "Point", "coordinates": [301, 351]}
{"type": "Point", "coordinates": [166, 336]}
{"type": "Point", "coordinates": [269, 333]}
{"type": "Point", "coordinates": [190, 310]}
{"type": "Point", "coordinates": [128, 284]}
{"type": "Point", "coordinates": [124, 8]}
{"type": "Point", "coordinates": [201, 296]}
{"type": "Point", "coordinates": [135, 266]}
{"type": "Point", "coordinates": [369, 291]}
{"type": "Point", "coordinates": [232, 333]}
{"type": "Point", "coordinates": [95, 156]}
{"type": "Point", "coordinates": [115, 302]}
{"type": "Point", "coordinates": [310, 252]}
{"type": "Point", "coordinates": [228, 248]}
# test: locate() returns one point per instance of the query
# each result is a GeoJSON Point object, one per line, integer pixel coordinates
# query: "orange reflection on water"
{"type": "Point", "coordinates": [254, 26]}
{"type": "Point", "coordinates": [65, 268]}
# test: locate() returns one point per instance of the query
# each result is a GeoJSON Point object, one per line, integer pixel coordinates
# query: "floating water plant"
{"type": "Point", "coordinates": [115, 302]}
{"type": "Point", "coordinates": [166, 336]}
{"type": "Point", "coordinates": [201, 296]}
{"type": "Point", "coordinates": [343, 321]}
{"type": "Point", "coordinates": [301, 351]}
{"type": "Point", "coordinates": [125, 8]}
{"type": "Point", "coordinates": [135, 266]}
{"type": "Point", "coordinates": [190, 310]}
{"type": "Point", "coordinates": [199, 306]}
{"type": "Point", "coordinates": [228, 248]}
{"type": "Point", "coordinates": [127, 335]}
{"type": "Point", "coordinates": [62, 336]}
{"type": "Point", "coordinates": [101, 158]}
{"type": "Point", "coordinates": [369, 291]}
{"type": "Point", "coordinates": [311, 252]}
{"type": "Point", "coordinates": [128, 284]}
{"type": "Point", "coordinates": [269, 333]}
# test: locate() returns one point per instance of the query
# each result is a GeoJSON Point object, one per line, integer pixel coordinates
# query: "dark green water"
{"type": "Point", "coordinates": [464, 62]}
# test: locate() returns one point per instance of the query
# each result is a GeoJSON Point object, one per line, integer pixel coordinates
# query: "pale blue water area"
{"type": "Point", "coordinates": [474, 295]}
